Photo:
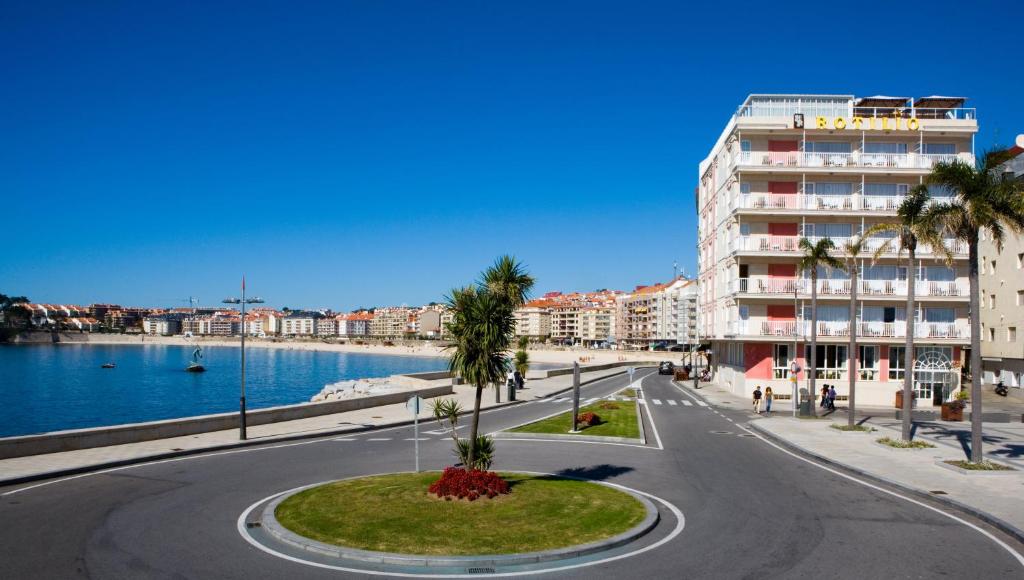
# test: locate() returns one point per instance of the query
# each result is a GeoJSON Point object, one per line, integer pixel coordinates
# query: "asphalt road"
{"type": "Point", "coordinates": [751, 510]}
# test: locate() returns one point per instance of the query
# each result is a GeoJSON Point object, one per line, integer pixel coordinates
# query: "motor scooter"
{"type": "Point", "coordinates": [1001, 389]}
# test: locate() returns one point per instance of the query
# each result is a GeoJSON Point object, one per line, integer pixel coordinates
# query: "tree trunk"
{"type": "Point", "coordinates": [474, 429]}
{"type": "Point", "coordinates": [972, 269]}
{"type": "Point", "coordinates": [853, 355]}
{"type": "Point", "coordinates": [908, 354]}
{"type": "Point", "coordinates": [812, 366]}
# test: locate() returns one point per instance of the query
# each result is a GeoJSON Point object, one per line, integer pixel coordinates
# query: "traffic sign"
{"type": "Point", "coordinates": [414, 404]}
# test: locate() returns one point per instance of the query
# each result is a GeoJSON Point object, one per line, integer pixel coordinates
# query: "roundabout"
{"type": "Point", "coordinates": [389, 524]}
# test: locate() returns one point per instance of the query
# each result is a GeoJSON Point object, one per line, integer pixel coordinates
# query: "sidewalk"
{"type": "Point", "coordinates": [20, 469]}
{"type": "Point", "coordinates": [993, 497]}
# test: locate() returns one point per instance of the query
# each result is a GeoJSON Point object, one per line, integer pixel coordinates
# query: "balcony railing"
{"type": "Point", "coordinates": [865, 288]}
{"type": "Point", "coordinates": [841, 328]}
{"type": "Point", "coordinates": [770, 202]}
{"type": "Point", "coordinates": [856, 159]}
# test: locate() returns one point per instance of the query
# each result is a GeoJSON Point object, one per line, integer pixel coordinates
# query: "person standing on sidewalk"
{"type": "Point", "coordinates": [824, 396]}
{"type": "Point", "coordinates": [768, 396]}
{"type": "Point", "coordinates": [832, 398]}
{"type": "Point", "coordinates": [757, 399]}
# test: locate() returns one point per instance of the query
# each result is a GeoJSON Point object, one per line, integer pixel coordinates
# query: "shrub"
{"type": "Point", "coordinates": [483, 454]}
{"type": "Point", "coordinates": [589, 419]}
{"type": "Point", "coordinates": [468, 484]}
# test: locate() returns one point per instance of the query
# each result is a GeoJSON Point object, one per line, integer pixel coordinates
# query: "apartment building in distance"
{"type": "Point", "coordinates": [391, 322]}
{"type": "Point", "coordinates": [533, 319]}
{"type": "Point", "coordinates": [788, 167]}
{"type": "Point", "coordinates": [1001, 274]}
{"type": "Point", "coordinates": [656, 315]}
{"type": "Point", "coordinates": [300, 323]}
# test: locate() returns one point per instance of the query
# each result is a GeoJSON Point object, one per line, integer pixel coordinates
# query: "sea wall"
{"type": "Point", "coordinates": [47, 337]}
{"type": "Point", "coordinates": [71, 440]}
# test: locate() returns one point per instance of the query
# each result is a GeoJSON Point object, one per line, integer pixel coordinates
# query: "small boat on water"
{"type": "Point", "coordinates": [194, 366]}
{"type": "Point", "coordinates": [107, 366]}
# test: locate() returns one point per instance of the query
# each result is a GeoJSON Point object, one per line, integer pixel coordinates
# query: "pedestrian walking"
{"type": "Point", "coordinates": [757, 399]}
{"type": "Point", "coordinates": [520, 381]}
{"type": "Point", "coordinates": [824, 396]}
{"type": "Point", "coordinates": [768, 396]}
{"type": "Point", "coordinates": [832, 398]}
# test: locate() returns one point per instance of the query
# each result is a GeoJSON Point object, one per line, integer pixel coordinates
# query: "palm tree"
{"type": "Point", "coordinates": [482, 330]}
{"type": "Point", "coordinates": [983, 199]}
{"type": "Point", "coordinates": [915, 224]}
{"type": "Point", "coordinates": [522, 362]}
{"type": "Point", "coordinates": [853, 248]}
{"type": "Point", "coordinates": [815, 256]}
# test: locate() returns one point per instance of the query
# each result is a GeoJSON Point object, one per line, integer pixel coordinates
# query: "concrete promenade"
{"type": "Point", "coordinates": [50, 464]}
{"type": "Point", "coordinates": [992, 496]}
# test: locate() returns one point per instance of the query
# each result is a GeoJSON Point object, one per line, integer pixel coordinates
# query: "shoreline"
{"type": "Point", "coordinates": [419, 349]}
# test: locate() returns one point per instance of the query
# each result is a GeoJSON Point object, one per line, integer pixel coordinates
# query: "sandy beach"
{"type": "Point", "coordinates": [538, 353]}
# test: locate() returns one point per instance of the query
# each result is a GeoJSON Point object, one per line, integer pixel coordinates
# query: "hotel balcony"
{"type": "Point", "coordinates": [785, 287]}
{"type": "Point", "coordinates": [786, 160]}
{"type": "Point", "coordinates": [788, 330]}
{"type": "Point", "coordinates": [767, 244]}
{"type": "Point", "coordinates": [774, 203]}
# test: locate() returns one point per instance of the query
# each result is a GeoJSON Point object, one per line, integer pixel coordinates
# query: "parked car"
{"type": "Point", "coordinates": [666, 368]}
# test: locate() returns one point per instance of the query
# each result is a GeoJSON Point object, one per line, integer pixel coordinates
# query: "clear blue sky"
{"type": "Point", "coordinates": [358, 153]}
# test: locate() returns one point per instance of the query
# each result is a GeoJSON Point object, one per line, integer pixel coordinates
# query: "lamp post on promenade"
{"type": "Point", "coordinates": [241, 401]}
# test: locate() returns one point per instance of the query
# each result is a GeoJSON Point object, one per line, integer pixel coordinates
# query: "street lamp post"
{"type": "Point", "coordinates": [241, 401]}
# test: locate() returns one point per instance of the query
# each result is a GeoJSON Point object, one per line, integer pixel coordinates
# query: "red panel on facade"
{"type": "Point", "coordinates": [781, 312]}
{"type": "Point", "coordinates": [782, 146]}
{"type": "Point", "coordinates": [883, 363]}
{"type": "Point", "coordinates": [782, 271]}
{"type": "Point", "coordinates": [758, 358]}
{"type": "Point", "coordinates": [782, 229]}
{"type": "Point", "coordinates": [787, 187]}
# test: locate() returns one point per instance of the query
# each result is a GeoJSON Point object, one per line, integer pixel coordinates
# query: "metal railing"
{"type": "Point", "coordinates": [856, 159]}
{"type": "Point", "coordinates": [841, 328]}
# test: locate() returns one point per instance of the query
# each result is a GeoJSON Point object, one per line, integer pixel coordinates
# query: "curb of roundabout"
{"type": "Point", "coordinates": [276, 540]}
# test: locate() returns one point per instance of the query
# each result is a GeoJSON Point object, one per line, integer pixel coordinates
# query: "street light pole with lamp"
{"type": "Point", "coordinates": [241, 401]}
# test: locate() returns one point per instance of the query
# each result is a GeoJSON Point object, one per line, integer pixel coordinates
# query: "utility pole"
{"type": "Point", "coordinates": [241, 400]}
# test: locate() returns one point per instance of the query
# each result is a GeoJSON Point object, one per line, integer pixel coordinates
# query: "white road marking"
{"type": "Point", "coordinates": [672, 402]}
{"type": "Point", "coordinates": [687, 403]}
{"type": "Point", "coordinates": [414, 439]}
{"type": "Point", "coordinates": [702, 403]}
{"type": "Point", "coordinates": [589, 401]}
{"type": "Point", "coordinates": [345, 439]}
{"type": "Point", "coordinates": [379, 439]}
{"type": "Point", "coordinates": [559, 400]}
{"type": "Point", "coordinates": [678, 529]}
{"type": "Point", "coordinates": [656, 401]}
{"type": "Point", "coordinates": [1014, 553]}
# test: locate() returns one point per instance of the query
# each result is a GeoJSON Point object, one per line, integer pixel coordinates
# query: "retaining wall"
{"type": "Point", "coordinates": [71, 440]}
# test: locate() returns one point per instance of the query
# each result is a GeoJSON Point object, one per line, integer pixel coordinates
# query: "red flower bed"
{"type": "Point", "coordinates": [462, 484]}
{"type": "Point", "coordinates": [588, 419]}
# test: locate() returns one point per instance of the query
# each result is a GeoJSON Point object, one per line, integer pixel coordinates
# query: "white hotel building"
{"type": "Point", "coordinates": [815, 166]}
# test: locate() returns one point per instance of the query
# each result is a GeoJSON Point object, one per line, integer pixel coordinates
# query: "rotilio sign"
{"type": "Point", "coordinates": [895, 122]}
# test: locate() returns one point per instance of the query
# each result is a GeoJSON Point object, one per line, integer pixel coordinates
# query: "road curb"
{"type": "Point", "coordinates": [248, 443]}
{"type": "Point", "coordinates": [1002, 525]}
{"type": "Point", "coordinates": [503, 435]}
{"type": "Point", "coordinates": [274, 528]}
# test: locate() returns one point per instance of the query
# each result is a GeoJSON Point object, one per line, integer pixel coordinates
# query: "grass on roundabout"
{"type": "Point", "coordinates": [395, 513]}
{"type": "Point", "coordinates": [618, 419]}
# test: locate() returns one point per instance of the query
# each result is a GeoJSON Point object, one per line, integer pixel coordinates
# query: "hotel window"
{"type": "Point", "coordinates": [833, 231]}
{"type": "Point", "coordinates": [896, 354]}
{"type": "Point", "coordinates": [898, 148]}
{"type": "Point", "coordinates": [992, 334]}
{"type": "Point", "coordinates": [1011, 334]}
{"type": "Point", "coordinates": [886, 189]}
{"type": "Point", "coordinates": [780, 361]}
{"type": "Point", "coordinates": [827, 147]}
{"type": "Point", "coordinates": [939, 149]}
{"type": "Point", "coordinates": [745, 188]}
{"type": "Point", "coordinates": [745, 146]}
{"type": "Point", "coordinates": [1020, 297]}
{"type": "Point", "coordinates": [942, 193]}
{"type": "Point", "coordinates": [1020, 261]}
{"type": "Point", "coordinates": [831, 360]}
{"type": "Point", "coordinates": [992, 301]}
{"type": "Point", "coordinates": [993, 270]}
{"type": "Point", "coordinates": [867, 366]}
